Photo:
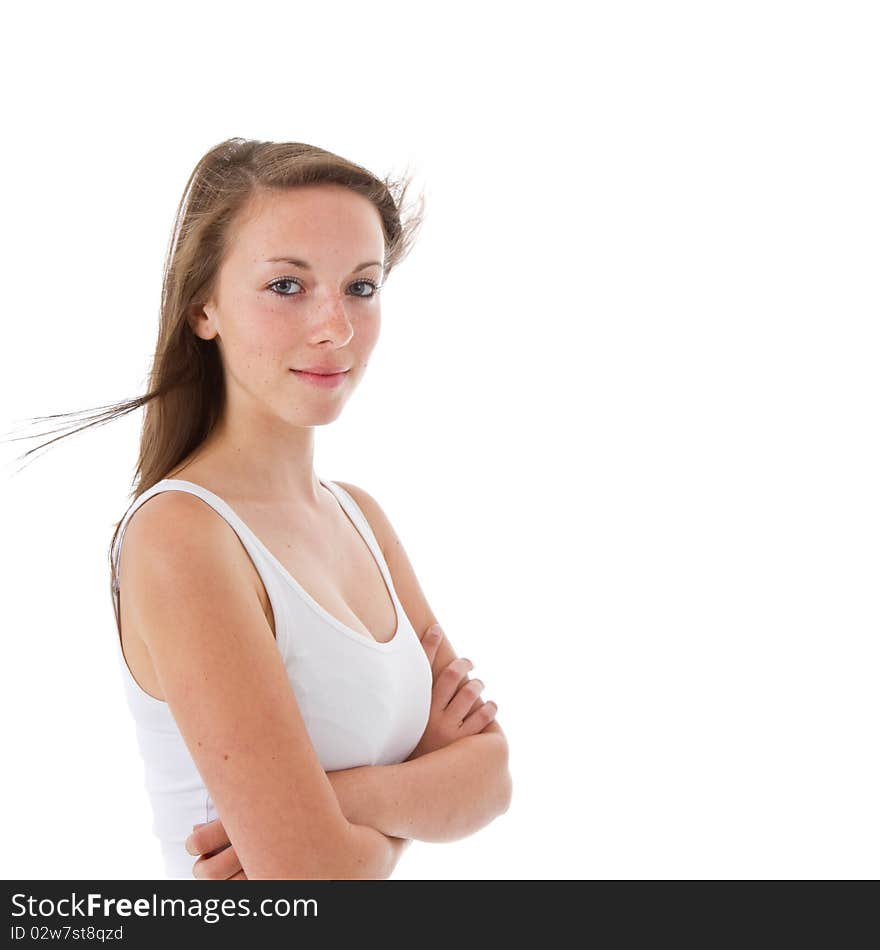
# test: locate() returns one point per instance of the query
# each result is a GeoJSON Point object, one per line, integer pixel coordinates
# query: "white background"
{"type": "Point", "coordinates": [623, 411]}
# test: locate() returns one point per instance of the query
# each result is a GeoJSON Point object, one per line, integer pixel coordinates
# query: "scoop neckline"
{"type": "Point", "coordinates": [367, 640]}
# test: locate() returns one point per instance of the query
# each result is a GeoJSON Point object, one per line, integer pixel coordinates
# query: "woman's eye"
{"type": "Point", "coordinates": [285, 280]}
{"type": "Point", "coordinates": [367, 283]}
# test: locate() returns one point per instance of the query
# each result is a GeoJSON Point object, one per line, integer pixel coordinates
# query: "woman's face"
{"type": "Point", "coordinates": [314, 308]}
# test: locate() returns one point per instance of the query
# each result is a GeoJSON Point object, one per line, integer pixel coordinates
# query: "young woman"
{"type": "Point", "coordinates": [295, 700]}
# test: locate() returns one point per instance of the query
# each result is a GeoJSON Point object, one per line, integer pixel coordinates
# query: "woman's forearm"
{"type": "Point", "coordinates": [381, 856]}
{"type": "Point", "coordinates": [440, 796]}
{"type": "Point", "coordinates": [374, 854]}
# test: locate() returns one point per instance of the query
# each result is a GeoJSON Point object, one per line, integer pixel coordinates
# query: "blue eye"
{"type": "Point", "coordinates": [294, 281]}
{"type": "Point", "coordinates": [285, 280]}
{"type": "Point", "coordinates": [369, 283]}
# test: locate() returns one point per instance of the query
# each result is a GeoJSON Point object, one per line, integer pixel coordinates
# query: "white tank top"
{"type": "Point", "coordinates": [363, 702]}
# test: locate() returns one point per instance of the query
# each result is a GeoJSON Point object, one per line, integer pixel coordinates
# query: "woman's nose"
{"type": "Point", "coordinates": [332, 316]}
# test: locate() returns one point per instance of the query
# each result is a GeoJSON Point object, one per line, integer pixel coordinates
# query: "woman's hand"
{"type": "Point", "coordinates": [456, 707]}
{"type": "Point", "coordinates": [218, 861]}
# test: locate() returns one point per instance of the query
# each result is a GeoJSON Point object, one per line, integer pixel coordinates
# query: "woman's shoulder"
{"type": "Point", "coordinates": [176, 540]}
{"type": "Point", "coordinates": [174, 525]}
{"type": "Point", "coordinates": [168, 512]}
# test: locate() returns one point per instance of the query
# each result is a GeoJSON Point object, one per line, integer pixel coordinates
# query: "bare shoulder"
{"type": "Point", "coordinates": [178, 531]}
{"type": "Point", "coordinates": [166, 510]}
{"type": "Point", "coordinates": [403, 575]}
{"type": "Point", "coordinates": [175, 538]}
{"type": "Point", "coordinates": [158, 528]}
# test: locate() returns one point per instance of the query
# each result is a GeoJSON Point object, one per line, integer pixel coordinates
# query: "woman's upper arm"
{"type": "Point", "coordinates": [408, 588]}
{"type": "Point", "coordinates": [223, 678]}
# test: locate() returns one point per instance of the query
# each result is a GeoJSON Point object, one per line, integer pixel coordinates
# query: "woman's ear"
{"type": "Point", "coordinates": [200, 322]}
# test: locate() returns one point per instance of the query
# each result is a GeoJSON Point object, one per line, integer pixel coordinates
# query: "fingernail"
{"type": "Point", "coordinates": [434, 631]}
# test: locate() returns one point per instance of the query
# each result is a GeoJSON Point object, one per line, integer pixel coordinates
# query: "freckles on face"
{"type": "Point", "coordinates": [259, 323]}
{"type": "Point", "coordinates": [253, 335]}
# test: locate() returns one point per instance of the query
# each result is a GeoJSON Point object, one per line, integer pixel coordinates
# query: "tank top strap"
{"type": "Point", "coordinates": [352, 509]}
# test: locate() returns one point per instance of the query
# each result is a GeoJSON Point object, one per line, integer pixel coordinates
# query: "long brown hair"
{"type": "Point", "coordinates": [187, 391]}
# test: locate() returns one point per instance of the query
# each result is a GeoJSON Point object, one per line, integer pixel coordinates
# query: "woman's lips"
{"type": "Point", "coordinates": [319, 379]}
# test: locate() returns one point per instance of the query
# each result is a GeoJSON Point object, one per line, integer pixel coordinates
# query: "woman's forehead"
{"type": "Point", "coordinates": [305, 222]}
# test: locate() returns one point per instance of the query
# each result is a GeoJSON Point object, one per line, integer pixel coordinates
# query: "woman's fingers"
{"type": "Point", "coordinates": [431, 641]}
{"type": "Point", "coordinates": [217, 867]}
{"type": "Point", "coordinates": [207, 838]}
{"type": "Point", "coordinates": [461, 704]}
{"type": "Point", "coordinates": [448, 681]}
{"type": "Point", "coordinates": [477, 721]}
{"type": "Point", "coordinates": [241, 876]}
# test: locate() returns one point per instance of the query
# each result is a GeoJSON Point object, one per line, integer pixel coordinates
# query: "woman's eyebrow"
{"type": "Point", "coordinates": [306, 266]}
